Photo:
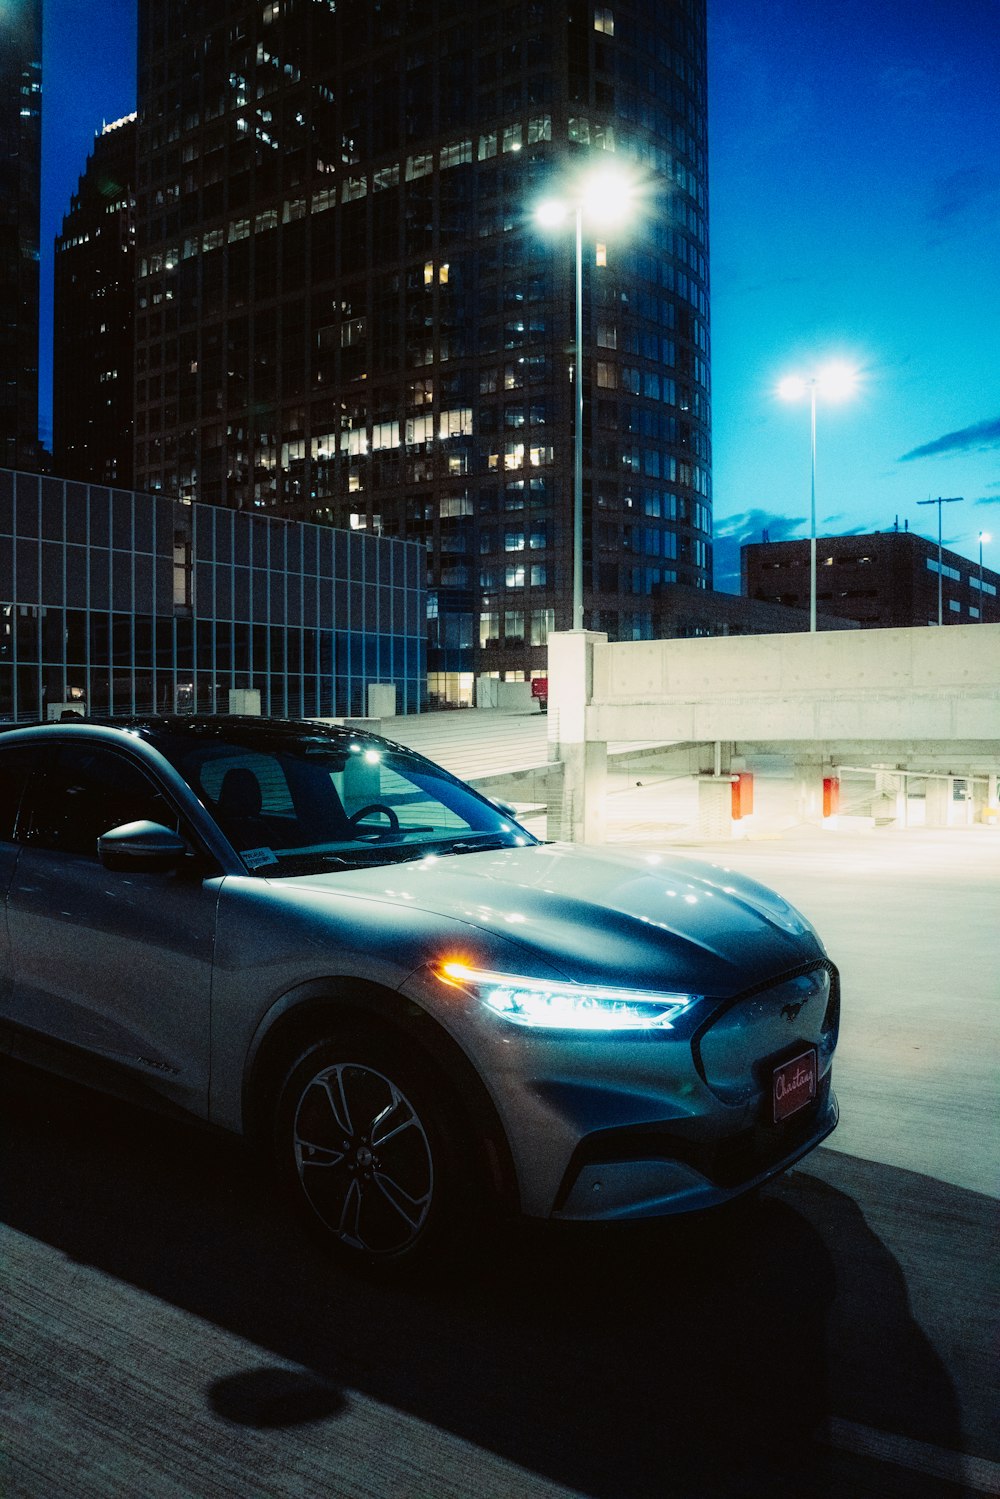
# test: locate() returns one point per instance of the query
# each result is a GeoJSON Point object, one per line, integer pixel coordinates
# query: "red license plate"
{"type": "Point", "coordinates": [793, 1085]}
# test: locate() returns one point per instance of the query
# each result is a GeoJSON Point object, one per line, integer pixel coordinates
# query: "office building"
{"type": "Point", "coordinates": [884, 580]}
{"type": "Point", "coordinates": [93, 321]}
{"type": "Point", "coordinates": [113, 602]}
{"type": "Point", "coordinates": [348, 313]}
{"type": "Point", "coordinates": [688, 613]}
{"type": "Point", "coordinates": [20, 196]}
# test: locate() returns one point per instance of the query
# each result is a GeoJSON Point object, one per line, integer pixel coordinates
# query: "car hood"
{"type": "Point", "coordinates": [646, 920]}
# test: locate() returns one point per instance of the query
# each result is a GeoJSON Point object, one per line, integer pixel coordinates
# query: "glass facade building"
{"type": "Point", "coordinates": [93, 324]}
{"type": "Point", "coordinates": [115, 602]}
{"type": "Point", "coordinates": [20, 199]}
{"type": "Point", "coordinates": [346, 311]}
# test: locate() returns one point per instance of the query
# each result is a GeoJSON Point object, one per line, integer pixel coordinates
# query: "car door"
{"type": "Point", "coordinates": [111, 962]}
{"type": "Point", "coordinates": [16, 763]}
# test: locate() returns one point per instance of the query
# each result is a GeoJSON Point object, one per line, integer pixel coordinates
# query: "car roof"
{"type": "Point", "coordinates": [244, 729]}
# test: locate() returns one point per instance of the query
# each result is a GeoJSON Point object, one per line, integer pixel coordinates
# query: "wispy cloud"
{"type": "Point", "coordinates": [913, 82]}
{"type": "Point", "coordinates": [968, 439]}
{"type": "Point", "coordinates": [831, 520]}
{"type": "Point", "coordinates": [961, 190]}
{"type": "Point", "coordinates": [734, 531]}
{"type": "Point", "coordinates": [988, 499]}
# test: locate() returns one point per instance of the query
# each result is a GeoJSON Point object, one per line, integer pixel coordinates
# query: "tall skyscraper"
{"type": "Point", "coordinates": [347, 311]}
{"type": "Point", "coordinates": [93, 324]}
{"type": "Point", "coordinates": [20, 195]}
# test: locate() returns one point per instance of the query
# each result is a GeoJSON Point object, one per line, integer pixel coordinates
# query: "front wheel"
{"type": "Point", "coordinates": [363, 1139]}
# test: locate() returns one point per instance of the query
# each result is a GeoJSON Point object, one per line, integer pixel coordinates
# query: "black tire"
{"type": "Point", "coordinates": [374, 1150]}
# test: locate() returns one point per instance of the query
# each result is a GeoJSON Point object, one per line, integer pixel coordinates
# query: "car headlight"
{"type": "Point", "coordinates": [548, 1005]}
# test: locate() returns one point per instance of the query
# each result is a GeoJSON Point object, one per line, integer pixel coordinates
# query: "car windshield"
{"type": "Point", "coordinates": [303, 803]}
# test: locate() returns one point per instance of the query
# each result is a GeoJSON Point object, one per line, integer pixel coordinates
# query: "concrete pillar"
{"type": "Point", "coordinates": [807, 778]}
{"type": "Point", "coordinates": [990, 812]}
{"type": "Point", "coordinates": [938, 801]}
{"type": "Point", "coordinates": [963, 811]}
{"type": "Point", "coordinates": [245, 700]}
{"type": "Point", "coordinates": [381, 700]}
{"type": "Point", "coordinates": [715, 807]}
{"type": "Point", "coordinates": [889, 802]}
{"type": "Point", "coordinates": [576, 801]}
{"type": "Point", "coordinates": [980, 799]}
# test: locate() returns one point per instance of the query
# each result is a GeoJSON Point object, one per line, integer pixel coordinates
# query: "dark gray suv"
{"type": "Point", "coordinates": [320, 939]}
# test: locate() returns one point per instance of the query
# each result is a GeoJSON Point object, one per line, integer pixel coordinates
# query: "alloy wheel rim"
{"type": "Point", "coordinates": [363, 1158]}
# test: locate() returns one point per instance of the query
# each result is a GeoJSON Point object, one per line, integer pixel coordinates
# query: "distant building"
{"type": "Point", "coordinates": [346, 311]}
{"type": "Point", "coordinates": [113, 602]}
{"type": "Point", "coordinates": [20, 196]}
{"type": "Point", "coordinates": [686, 613]}
{"type": "Point", "coordinates": [884, 580]}
{"type": "Point", "coordinates": [93, 323]}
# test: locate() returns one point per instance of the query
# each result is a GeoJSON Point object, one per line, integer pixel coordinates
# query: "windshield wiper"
{"type": "Point", "coordinates": [363, 858]}
{"type": "Point", "coordinates": [480, 844]}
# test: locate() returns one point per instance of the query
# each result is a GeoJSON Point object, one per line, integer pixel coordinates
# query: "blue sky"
{"type": "Point", "coordinates": [855, 214]}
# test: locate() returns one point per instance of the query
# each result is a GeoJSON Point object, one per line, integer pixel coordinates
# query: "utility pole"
{"type": "Point", "coordinates": [955, 499]}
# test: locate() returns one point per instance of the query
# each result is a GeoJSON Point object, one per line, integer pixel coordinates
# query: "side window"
{"type": "Point", "coordinates": [84, 792]}
{"type": "Point", "coordinates": [16, 763]}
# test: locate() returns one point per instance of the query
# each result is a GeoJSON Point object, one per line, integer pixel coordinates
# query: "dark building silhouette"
{"type": "Point", "coordinates": [20, 194]}
{"type": "Point", "coordinates": [346, 311]}
{"type": "Point", "coordinates": [691, 612]}
{"type": "Point", "coordinates": [93, 323]}
{"type": "Point", "coordinates": [884, 580]}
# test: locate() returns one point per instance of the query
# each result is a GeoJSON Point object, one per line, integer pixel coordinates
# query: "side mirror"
{"type": "Point", "coordinates": [507, 808]}
{"type": "Point", "coordinates": [142, 847]}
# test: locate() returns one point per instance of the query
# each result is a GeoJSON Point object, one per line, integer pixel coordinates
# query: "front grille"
{"type": "Point", "coordinates": [741, 1040]}
{"type": "Point", "coordinates": [725, 1163]}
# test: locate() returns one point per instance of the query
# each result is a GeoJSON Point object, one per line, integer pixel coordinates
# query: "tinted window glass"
{"type": "Point", "coordinates": [297, 803]}
{"type": "Point", "coordinates": [84, 792]}
{"type": "Point", "coordinates": [15, 767]}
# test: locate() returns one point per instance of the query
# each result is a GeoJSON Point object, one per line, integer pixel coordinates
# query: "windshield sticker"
{"type": "Point", "coordinates": [253, 858]}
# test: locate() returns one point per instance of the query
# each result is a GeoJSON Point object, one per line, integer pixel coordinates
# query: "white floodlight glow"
{"type": "Point", "coordinates": [606, 195]}
{"type": "Point", "coordinates": [552, 213]}
{"type": "Point", "coordinates": [792, 388]}
{"type": "Point", "coordinates": [836, 381]}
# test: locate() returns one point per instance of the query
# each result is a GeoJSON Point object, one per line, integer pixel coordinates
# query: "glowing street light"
{"type": "Point", "coordinates": [834, 382]}
{"type": "Point", "coordinates": [604, 197]}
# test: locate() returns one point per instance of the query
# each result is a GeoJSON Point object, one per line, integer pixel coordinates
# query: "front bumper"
{"type": "Point", "coordinates": [649, 1124]}
{"type": "Point", "coordinates": [656, 1171]}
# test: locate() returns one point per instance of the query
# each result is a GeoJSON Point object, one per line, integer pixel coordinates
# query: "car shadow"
{"type": "Point", "coordinates": [702, 1357]}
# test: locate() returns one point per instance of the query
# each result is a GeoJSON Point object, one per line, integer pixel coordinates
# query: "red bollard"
{"type": "Point", "coordinates": [742, 795]}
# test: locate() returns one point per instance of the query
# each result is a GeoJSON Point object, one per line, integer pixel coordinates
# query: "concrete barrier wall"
{"type": "Point", "coordinates": [963, 715]}
{"type": "Point", "coordinates": [892, 662]}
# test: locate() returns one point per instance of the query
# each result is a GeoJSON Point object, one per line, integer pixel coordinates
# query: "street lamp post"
{"type": "Point", "coordinates": [578, 434]}
{"type": "Point", "coordinates": [834, 381]}
{"type": "Point", "coordinates": [604, 194]}
{"type": "Point", "coordinates": [983, 536]}
{"type": "Point", "coordinates": [955, 499]}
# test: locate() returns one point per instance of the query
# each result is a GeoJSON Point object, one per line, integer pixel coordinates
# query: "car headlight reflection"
{"type": "Point", "coordinates": [545, 1005]}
